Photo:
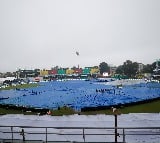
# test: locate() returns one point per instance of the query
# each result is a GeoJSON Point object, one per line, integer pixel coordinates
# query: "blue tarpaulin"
{"type": "Point", "coordinates": [79, 94]}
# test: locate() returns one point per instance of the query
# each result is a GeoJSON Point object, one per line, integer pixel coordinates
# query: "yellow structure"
{"type": "Point", "coordinates": [94, 70]}
{"type": "Point", "coordinates": [43, 72]}
{"type": "Point", "coordinates": [69, 71]}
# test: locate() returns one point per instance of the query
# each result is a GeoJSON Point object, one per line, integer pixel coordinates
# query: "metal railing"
{"type": "Point", "coordinates": [45, 134]}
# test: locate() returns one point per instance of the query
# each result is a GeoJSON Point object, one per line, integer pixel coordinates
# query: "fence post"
{"type": "Point", "coordinates": [22, 134]}
{"type": "Point", "coordinates": [83, 135]}
{"type": "Point", "coordinates": [116, 112]}
{"type": "Point", "coordinates": [46, 135]}
{"type": "Point", "coordinates": [123, 136]}
{"type": "Point", "coordinates": [12, 133]}
{"type": "Point", "coordinates": [115, 128]}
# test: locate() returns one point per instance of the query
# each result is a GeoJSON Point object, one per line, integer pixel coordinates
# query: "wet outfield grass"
{"type": "Point", "coordinates": [152, 107]}
{"type": "Point", "coordinates": [20, 86]}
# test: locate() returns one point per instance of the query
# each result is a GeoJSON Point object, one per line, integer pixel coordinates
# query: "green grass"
{"type": "Point", "coordinates": [59, 112]}
{"type": "Point", "coordinates": [62, 111]}
{"type": "Point", "coordinates": [20, 86]}
{"type": "Point", "coordinates": [12, 111]}
{"type": "Point", "coordinates": [152, 107]}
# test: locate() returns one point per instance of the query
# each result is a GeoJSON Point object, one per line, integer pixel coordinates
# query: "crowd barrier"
{"type": "Point", "coordinates": [20, 133]}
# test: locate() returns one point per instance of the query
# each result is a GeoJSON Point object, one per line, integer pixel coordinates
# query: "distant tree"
{"type": "Point", "coordinates": [120, 70]}
{"type": "Point", "coordinates": [135, 67]}
{"type": "Point", "coordinates": [128, 68]}
{"type": "Point", "coordinates": [103, 67]}
{"type": "Point", "coordinates": [149, 68]}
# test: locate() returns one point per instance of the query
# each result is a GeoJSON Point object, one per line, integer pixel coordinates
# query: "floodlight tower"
{"type": "Point", "coordinates": [157, 66]}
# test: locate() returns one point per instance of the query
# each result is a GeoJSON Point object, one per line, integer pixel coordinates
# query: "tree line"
{"type": "Point", "coordinates": [129, 68]}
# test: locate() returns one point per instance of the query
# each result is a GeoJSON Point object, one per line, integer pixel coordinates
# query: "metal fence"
{"type": "Point", "coordinates": [73, 134]}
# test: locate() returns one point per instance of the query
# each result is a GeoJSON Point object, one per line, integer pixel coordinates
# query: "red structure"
{"type": "Point", "coordinates": [78, 71]}
{"type": "Point", "coordinates": [52, 72]}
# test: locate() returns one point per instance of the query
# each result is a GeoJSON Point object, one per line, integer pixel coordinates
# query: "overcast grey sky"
{"type": "Point", "coordinates": [46, 33]}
